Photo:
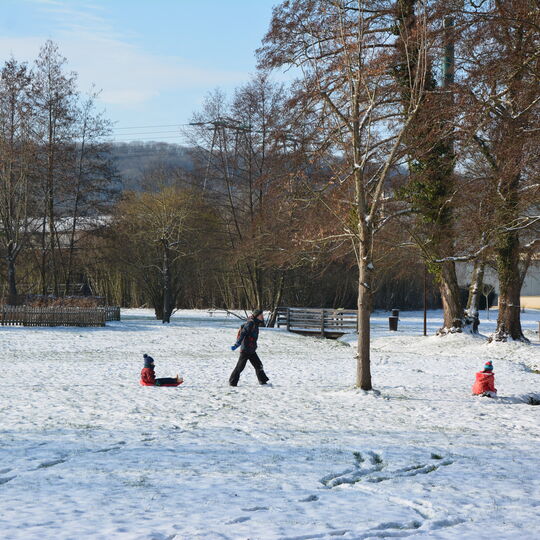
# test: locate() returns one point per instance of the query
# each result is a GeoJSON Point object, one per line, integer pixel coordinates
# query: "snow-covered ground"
{"type": "Point", "coordinates": [87, 453]}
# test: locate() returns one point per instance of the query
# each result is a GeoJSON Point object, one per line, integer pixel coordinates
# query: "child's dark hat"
{"type": "Point", "coordinates": [148, 361]}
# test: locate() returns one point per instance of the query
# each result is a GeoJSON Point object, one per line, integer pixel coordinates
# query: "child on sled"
{"type": "Point", "coordinates": [148, 375]}
{"type": "Point", "coordinates": [484, 385]}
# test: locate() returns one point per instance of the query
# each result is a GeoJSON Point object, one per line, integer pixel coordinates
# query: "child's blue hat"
{"type": "Point", "coordinates": [488, 366]}
{"type": "Point", "coordinates": [148, 361]}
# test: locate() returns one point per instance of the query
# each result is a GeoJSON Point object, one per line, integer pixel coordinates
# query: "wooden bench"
{"type": "Point", "coordinates": [329, 323]}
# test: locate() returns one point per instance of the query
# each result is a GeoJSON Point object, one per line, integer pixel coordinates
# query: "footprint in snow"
{"type": "Point", "coordinates": [385, 530]}
{"type": "Point", "coordinates": [431, 520]}
{"type": "Point", "coordinates": [109, 449]}
{"type": "Point", "coordinates": [423, 508]}
{"type": "Point", "coordinates": [362, 467]}
{"type": "Point", "coordinates": [52, 463]}
{"type": "Point", "coordinates": [310, 498]}
{"type": "Point", "coordinates": [413, 470]}
{"type": "Point", "coordinates": [6, 479]}
{"type": "Point", "coordinates": [240, 519]}
{"type": "Point", "coordinates": [369, 468]}
{"type": "Point", "coordinates": [399, 526]}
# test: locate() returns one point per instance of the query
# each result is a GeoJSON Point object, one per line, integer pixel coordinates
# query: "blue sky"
{"type": "Point", "coordinates": [154, 60]}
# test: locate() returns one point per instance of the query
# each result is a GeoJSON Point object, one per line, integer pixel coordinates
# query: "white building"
{"type": "Point", "coordinates": [530, 292]}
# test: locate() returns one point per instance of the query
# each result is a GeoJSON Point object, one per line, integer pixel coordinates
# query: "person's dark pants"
{"type": "Point", "coordinates": [166, 380]}
{"type": "Point", "coordinates": [255, 362]}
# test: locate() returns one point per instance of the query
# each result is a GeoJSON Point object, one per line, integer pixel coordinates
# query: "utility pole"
{"type": "Point", "coordinates": [218, 126]}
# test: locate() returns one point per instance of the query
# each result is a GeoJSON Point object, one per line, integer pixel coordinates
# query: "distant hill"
{"type": "Point", "coordinates": [135, 159]}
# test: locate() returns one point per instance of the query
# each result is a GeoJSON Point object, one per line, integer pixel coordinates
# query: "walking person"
{"type": "Point", "coordinates": [247, 341]}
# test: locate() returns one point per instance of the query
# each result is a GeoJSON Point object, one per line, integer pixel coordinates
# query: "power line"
{"type": "Point", "coordinates": [150, 126]}
{"type": "Point", "coordinates": [148, 132]}
{"type": "Point", "coordinates": [146, 139]}
{"type": "Point", "coordinates": [220, 122]}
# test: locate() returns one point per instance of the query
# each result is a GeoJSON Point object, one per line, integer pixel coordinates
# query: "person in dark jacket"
{"type": "Point", "coordinates": [247, 340]}
{"type": "Point", "coordinates": [148, 375]}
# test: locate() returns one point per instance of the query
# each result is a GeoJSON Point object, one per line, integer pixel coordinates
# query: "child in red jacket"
{"type": "Point", "coordinates": [148, 375]}
{"type": "Point", "coordinates": [484, 385]}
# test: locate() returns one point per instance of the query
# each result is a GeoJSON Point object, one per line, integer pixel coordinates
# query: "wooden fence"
{"type": "Point", "coordinates": [52, 316]}
{"type": "Point", "coordinates": [325, 322]}
{"type": "Point", "coordinates": [112, 313]}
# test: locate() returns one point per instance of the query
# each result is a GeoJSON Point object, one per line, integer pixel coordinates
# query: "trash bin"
{"type": "Point", "coordinates": [393, 323]}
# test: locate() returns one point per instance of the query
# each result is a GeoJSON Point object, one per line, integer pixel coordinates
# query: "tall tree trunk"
{"type": "Point", "coordinates": [277, 299]}
{"type": "Point", "coordinates": [75, 214]}
{"type": "Point", "coordinates": [451, 300]}
{"type": "Point", "coordinates": [12, 281]}
{"type": "Point", "coordinates": [475, 288]}
{"type": "Point", "coordinates": [258, 284]}
{"type": "Point", "coordinates": [507, 248]}
{"type": "Point", "coordinates": [475, 292]}
{"type": "Point", "coordinates": [50, 212]}
{"type": "Point", "coordinates": [43, 262]}
{"type": "Point", "coordinates": [431, 158]}
{"type": "Point", "coordinates": [509, 318]}
{"type": "Point", "coordinates": [365, 303]}
{"type": "Point", "coordinates": [166, 271]}
{"type": "Point", "coordinates": [363, 363]}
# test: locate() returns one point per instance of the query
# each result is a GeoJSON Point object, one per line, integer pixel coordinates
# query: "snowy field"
{"type": "Point", "coordinates": [87, 453]}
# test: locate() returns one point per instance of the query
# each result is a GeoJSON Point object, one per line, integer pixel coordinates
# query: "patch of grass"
{"type": "Point", "coordinates": [436, 456]}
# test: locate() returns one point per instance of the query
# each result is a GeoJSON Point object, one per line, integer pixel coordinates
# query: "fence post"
{"type": "Point", "coordinates": [288, 319]}
{"type": "Point", "coordinates": [322, 322]}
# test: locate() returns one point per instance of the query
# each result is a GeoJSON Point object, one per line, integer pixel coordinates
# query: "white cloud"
{"type": "Point", "coordinates": [130, 76]}
{"type": "Point", "coordinates": [127, 75]}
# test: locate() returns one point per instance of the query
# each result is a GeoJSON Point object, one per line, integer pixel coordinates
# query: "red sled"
{"type": "Point", "coordinates": [159, 385]}
{"type": "Point", "coordinates": [148, 378]}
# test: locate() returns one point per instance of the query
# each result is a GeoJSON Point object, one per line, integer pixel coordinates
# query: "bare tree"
{"type": "Point", "coordinates": [502, 89]}
{"type": "Point", "coordinates": [431, 187]}
{"type": "Point", "coordinates": [17, 150]}
{"type": "Point", "coordinates": [243, 159]}
{"type": "Point", "coordinates": [153, 234]}
{"type": "Point", "coordinates": [342, 49]}
{"type": "Point", "coordinates": [91, 189]}
{"type": "Point", "coordinates": [55, 96]}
